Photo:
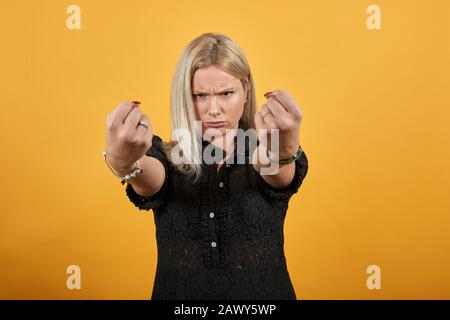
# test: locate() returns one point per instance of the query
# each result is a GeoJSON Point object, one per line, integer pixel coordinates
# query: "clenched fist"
{"type": "Point", "coordinates": [281, 112]}
{"type": "Point", "coordinates": [126, 140]}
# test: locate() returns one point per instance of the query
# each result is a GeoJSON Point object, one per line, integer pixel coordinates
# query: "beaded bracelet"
{"type": "Point", "coordinates": [136, 171]}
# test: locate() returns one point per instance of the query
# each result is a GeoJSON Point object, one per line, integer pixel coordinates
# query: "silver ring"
{"type": "Point", "coordinates": [142, 123]}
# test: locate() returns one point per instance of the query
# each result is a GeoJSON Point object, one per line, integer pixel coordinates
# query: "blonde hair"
{"type": "Point", "coordinates": [203, 51]}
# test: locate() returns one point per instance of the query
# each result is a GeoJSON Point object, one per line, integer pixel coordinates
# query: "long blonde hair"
{"type": "Point", "coordinates": [203, 51]}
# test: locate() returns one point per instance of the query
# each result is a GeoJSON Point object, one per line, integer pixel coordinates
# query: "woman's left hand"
{"type": "Point", "coordinates": [283, 113]}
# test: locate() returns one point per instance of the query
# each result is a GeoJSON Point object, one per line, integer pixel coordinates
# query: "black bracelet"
{"type": "Point", "coordinates": [290, 159]}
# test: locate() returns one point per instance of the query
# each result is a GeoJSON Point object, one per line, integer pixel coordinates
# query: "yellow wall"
{"type": "Point", "coordinates": [375, 128]}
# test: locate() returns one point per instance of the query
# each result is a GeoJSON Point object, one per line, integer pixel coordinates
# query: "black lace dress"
{"type": "Point", "coordinates": [221, 238]}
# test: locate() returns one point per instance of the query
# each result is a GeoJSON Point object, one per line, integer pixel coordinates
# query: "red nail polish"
{"type": "Point", "coordinates": [136, 102]}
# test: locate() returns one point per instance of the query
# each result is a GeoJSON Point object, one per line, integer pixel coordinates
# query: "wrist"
{"type": "Point", "coordinates": [285, 153]}
{"type": "Point", "coordinates": [123, 171]}
{"type": "Point", "coordinates": [125, 174]}
{"type": "Point", "coordinates": [118, 169]}
{"type": "Point", "coordinates": [286, 158]}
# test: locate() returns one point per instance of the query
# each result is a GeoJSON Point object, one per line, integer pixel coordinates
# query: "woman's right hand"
{"type": "Point", "coordinates": [126, 141]}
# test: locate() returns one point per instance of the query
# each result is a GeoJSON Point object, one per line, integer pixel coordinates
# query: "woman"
{"type": "Point", "coordinates": [219, 225]}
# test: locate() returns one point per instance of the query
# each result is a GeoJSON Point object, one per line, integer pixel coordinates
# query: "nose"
{"type": "Point", "coordinates": [213, 108]}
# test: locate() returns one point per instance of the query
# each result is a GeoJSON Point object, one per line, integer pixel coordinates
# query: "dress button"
{"type": "Point", "coordinates": [211, 215]}
{"type": "Point", "coordinates": [221, 184]}
{"type": "Point", "coordinates": [213, 244]}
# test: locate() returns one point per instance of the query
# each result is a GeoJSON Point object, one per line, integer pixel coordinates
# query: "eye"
{"type": "Point", "coordinates": [199, 95]}
{"type": "Point", "coordinates": [226, 93]}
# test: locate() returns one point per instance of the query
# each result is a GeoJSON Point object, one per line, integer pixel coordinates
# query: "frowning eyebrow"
{"type": "Point", "coordinates": [223, 91]}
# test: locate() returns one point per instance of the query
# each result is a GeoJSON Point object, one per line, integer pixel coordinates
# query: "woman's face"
{"type": "Point", "coordinates": [218, 97]}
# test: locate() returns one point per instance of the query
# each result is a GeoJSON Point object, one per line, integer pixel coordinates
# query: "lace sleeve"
{"type": "Point", "coordinates": [301, 169]}
{"type": "Point", "coordinates": [159, 198]}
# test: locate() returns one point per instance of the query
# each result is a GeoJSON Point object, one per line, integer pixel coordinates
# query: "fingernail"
{"type": "Point", "coordinates": [136, 102]}
{"type": "Point", "coordinates": [268, 93]}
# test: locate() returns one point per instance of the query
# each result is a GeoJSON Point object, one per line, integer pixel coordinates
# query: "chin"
{"type": "Point", "coordinates": [222, 130]}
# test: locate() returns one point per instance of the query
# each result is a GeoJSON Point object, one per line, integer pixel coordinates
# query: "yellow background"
{"type": "Point", "coordinates": [375, 129]}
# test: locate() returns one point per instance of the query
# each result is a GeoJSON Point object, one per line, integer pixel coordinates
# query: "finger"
{"type": "Point", "coordinates": [149, 132]}
{"type": "Point", "coordinates": [136, 105]}
{"type": "Point", "coordinates": [264, 114]}
{"type": "Point", "coordinates": [279, 114]}
{"type": "Point", "coordinates": [259, 123]}
{"type": "Point", "coordinates": [119, 114]}
{"type": "Point", "coordinates": [286, 101]}
{"type": "Point", "coordinates": [270, 121]}
{"type": "Point", "coordinates": [263, 132]}
{"type": "Point", "coordinates": [267, 94]}
{"type": "Point", "coordinates": [113, 114]}
{"type": "Point", "coordinates": [276, 109]}
{"type": "Point", "coordinates": [122, 111]}
{"type": "Point", "coordinates": [143, 131]}
{"type": "Point", "coordinates": [132, 120]}
{"type": "Point", "coordinates": [264, 109]}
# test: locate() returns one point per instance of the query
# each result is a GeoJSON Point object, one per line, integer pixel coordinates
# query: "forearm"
{"type": "Point", "coordinates": [150, 180]}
